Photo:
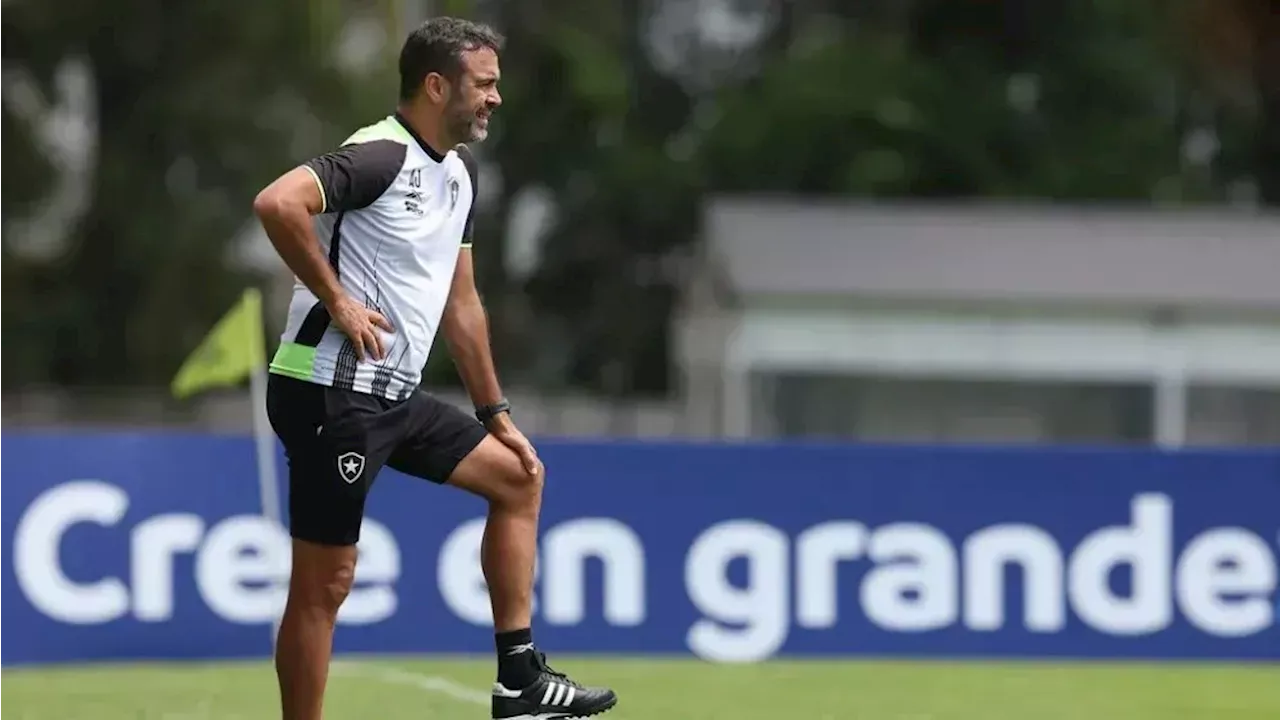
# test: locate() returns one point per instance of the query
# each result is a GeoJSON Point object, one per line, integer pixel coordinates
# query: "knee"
{"type": "Point", "coordinates": [522, 490]}
{"type": "Point", "coordinates": [334, 591]}
{"type": "Point", "coordinates": [325, 592]}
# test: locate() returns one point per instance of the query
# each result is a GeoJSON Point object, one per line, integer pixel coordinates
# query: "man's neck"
{"type": "Point", "coordinates": [427, 130]}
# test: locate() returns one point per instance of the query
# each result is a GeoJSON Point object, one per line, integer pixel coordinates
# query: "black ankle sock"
{"type": "Point", "coordinates": [516, 666]}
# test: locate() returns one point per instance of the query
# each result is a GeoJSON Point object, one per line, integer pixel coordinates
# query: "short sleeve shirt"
{"type": "Point", "coordinates": [396, 215]}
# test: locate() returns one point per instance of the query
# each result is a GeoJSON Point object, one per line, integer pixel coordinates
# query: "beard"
{"type": "Point", "coordinates": [466, 125]}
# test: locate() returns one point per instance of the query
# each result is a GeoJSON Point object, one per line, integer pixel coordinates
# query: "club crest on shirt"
{"type": "Point", "coordinates": [453, 193]}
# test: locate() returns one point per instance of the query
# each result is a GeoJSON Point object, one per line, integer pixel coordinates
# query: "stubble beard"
{"type": "Point", "coordinates": [465, 126]}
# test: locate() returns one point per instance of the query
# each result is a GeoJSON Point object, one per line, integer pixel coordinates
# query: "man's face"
{"type": "Point", "coordinates": [474, 96]}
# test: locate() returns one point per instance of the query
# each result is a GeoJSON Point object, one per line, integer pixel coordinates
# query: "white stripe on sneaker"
{"type": "Point", "coordinates": [559, 694]}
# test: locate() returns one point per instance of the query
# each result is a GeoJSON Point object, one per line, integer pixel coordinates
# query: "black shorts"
{"type": "Point", "coordinates": [336, 441]}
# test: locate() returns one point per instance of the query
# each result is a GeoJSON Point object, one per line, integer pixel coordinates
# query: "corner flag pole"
{"type": "Point", "coordinates": [233, 349]}
{"type": "Point", "coordinates": [264, 438]}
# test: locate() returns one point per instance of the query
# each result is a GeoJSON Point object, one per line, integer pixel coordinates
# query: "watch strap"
{"type": "Point", "coordinates": [485, 413]}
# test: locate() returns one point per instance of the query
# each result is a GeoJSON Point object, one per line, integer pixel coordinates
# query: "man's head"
{"type": "Point", "coordinates": [451, 65]}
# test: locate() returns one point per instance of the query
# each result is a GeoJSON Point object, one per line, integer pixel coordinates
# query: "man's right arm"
{"type": "Point", "coordinates": [285, 208]}
{"type": "Point", "coordinates": [349, 178]}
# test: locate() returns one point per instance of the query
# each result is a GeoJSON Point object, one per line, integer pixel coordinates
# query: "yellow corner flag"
{"type": "Point", "coordinates": [229, 353]}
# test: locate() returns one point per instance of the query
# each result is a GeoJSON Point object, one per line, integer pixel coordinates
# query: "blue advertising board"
{"type": "Point", "coordinates": [123, 546]}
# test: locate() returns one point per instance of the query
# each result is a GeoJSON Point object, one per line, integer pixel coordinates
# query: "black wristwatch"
{"type": "Point", "coordinates": [485, 413]}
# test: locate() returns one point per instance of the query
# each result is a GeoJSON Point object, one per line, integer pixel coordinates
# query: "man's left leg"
{"type": "Point", "coordinates": [450, 446]}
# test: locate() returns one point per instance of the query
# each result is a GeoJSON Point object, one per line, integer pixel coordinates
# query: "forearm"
{"type": "Point", "coordinates": [289, 227]}
{"type": "Point", "coordinates": [466, 330]}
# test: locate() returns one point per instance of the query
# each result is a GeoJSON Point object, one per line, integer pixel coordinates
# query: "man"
{"type": "Point", "coordinates": [386, 264]}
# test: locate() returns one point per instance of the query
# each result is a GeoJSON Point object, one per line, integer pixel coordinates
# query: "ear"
{"type": "Point", "coordinates": [437, 87]}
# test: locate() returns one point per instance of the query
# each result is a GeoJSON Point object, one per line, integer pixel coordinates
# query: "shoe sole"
{"type": "Point", "coordinates": [557, 716]}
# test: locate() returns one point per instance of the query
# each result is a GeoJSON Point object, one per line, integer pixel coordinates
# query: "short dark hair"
{"type": "Point", "coordinates": [437, 47]}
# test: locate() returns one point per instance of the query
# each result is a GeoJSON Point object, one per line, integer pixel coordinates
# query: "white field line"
{"type": "Point", "coordinates": [429, 683]}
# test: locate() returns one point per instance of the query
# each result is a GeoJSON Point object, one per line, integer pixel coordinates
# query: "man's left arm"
{"type": "Point", "coordinates": [465, 325]}
{"type": "Point", "coordinates": [466, 330]}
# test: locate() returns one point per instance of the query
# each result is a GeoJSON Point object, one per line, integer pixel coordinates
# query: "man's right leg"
{"type": "Point", "coordinates": [335, 442]}
{"type": "Point", "coordinates": [320, 581]}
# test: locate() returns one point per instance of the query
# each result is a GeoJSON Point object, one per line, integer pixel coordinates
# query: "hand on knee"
{"type": "Point", "coordinates": [522, 491]}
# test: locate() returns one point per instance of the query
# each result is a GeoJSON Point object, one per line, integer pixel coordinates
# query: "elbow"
{"type": "Point", "coordinates": [268, 204]}
{"type": "Point", "coordinates": [450, 325]}
{"type": "Point", "coordinates": [275, 208]}
{"type": "Point", "coordinates": [459, 320]}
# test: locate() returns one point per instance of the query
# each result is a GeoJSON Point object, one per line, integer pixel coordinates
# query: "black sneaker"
{"type": "Point", "coordinates": [552, 695]}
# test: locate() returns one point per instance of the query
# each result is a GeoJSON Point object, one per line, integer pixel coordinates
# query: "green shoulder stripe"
{"type": "Point", "coordinates": [386, 129]}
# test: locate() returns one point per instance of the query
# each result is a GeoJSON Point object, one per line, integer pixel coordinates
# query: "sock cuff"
{"type": "Point", "coordinates": [513, 638]}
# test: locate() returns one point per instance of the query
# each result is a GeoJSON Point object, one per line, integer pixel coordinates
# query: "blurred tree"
{"type": "Point", "coordinates": [193, 106]}
{"type": "Point", "coordinates": [30, 178]}
{"type": "Point", "coordinates": [588, 118]}
{"type": "Point", "coordinates": [1047, 99]}
{"type": "Point", "coordinates": [1233, 48]}
{"type": "Point", "coordinates": [630, 113]}
{"type": "Point", "coordinates": [624, 115]}
{"type": "Point", "coordinates": [23, 160]}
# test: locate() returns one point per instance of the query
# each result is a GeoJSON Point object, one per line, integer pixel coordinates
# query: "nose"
{"type": "Point", "coordinates": [494, 99]}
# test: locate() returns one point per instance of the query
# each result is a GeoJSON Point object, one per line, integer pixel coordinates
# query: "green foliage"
{"type": "Point", "coordinates": [200, 103]}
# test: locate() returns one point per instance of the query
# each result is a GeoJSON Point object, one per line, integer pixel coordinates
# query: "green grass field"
{"type": "Point", "coordinates": [404, 688]}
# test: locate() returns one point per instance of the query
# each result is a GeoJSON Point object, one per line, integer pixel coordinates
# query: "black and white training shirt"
{"type": "Point", "coordinates": [396, 215]}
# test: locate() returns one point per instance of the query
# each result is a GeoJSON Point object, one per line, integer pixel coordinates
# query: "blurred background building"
{"type": "Point", "coordinates": [1005, 221]}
